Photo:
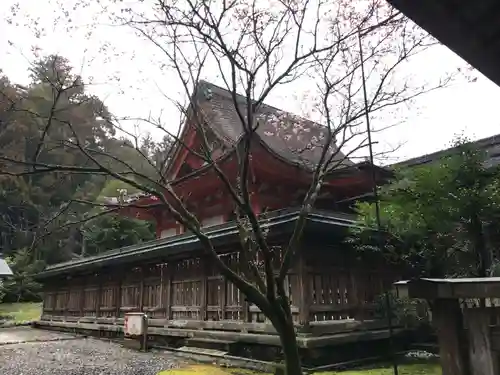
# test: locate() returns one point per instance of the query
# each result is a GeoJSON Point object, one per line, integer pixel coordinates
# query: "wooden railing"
{"type": "Point", "coordinates": [192, 290]}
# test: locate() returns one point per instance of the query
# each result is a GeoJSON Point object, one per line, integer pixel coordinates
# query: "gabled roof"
{"type": "Point", "coordinates": [490, 145]}
{"type": "Point", "coordinates": [290, 137]}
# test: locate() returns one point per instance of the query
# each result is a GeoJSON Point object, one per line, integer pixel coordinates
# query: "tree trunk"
{"type": "Point", "coordinates": [482, 252]}
{"type": "Point", "coordinates": [288, 340]}
{"type": "Point", "coordinates": [479, 243]}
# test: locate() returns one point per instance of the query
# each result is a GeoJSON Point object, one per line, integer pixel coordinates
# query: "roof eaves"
{"type": "Point", "coordinates": [468, 28]}
{"type": "Point", "coordinates": [483, 144]}
{"type": "Point", "coordinates": [188, 126]}
{"type": "Point", "coordinates": [275, 219]}
{"type": "Point", "coordinates": [365, 165]}
{"type": "Point", "coordinates": [175, 154]}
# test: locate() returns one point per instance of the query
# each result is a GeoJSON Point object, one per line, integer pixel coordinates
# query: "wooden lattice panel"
{"type": "Point", "coordinates": [74, 301]}
{"type": "Point", "coordinates": [107, 306]}
{"type": "Point", "coordinates": [90, 294]}
{"type": "Point", "coordinates": [320, 287]}
{"type": "Point", "coordinates": [154, 295]}
{"type": "Point", "coordinates": [186, 293]}
{"type": "Point", "coordinates": [330, 296]}
{"type": "Point", "coordinates": [232, 302]}
{"type": "Point", "coordinates": [49, 300]}
{"type": "Point", "coordinates": [130, 291]}
{"type": "Point", "coordinates": [215, 298]}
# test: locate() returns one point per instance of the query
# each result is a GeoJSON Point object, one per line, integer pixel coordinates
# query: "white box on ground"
{"type": "Point", "coordinates": [134, 324]}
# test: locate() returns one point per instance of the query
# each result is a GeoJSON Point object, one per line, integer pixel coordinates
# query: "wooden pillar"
{"type": "Point", "coordinates": [141, 290]}
{"type": "Point", "coordinates": [358, 296]}
{"type": "Point", "coordinates": [204, 286]}
{"type": "Point", "coordinates": [223, 297]}
{"type": "Point", "coordinates": [304, 281]}
{"type": "Point", "coordinates": [447, 317]}
{"type": "Point", "coordinates": [118, 294]}
{"type": "Point", "coordinates": [82, 297]}
{"type": "Point", "coordinates": [482, 360]}
{"type": "Point", "coordinates": [168, 290]}
{"type": "Point", "coordinates": [98, 295]}
{"type": "Point", "coordinates": [54, 300]}
{"type": "Point", "coordinates": [43, 295]}
{"type": "Point", "coordinates": [245, 305]}
{"type": "Point", "coordinates": [48, 308]}
{"type": "Point", "coordinates": [162, 289]}
{"type": "Point", "coordinates": [66, 298]}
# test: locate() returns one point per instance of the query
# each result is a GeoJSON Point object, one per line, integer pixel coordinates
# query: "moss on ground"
{"type": "Point", "coordinates": [408, 369]}
{"type": "Point", "coordinates": [21, 312]}
{"type": "Point", "coordinates": [207, 370]}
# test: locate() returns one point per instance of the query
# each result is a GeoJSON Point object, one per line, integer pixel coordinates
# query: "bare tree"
{"type": "Point", "coordinates": [257, 48]}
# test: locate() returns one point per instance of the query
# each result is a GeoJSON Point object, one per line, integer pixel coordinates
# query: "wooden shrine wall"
{"type": "Point", "coordinates": [339, 287]}
{"type": "Point", "coordinates": [320, 288]}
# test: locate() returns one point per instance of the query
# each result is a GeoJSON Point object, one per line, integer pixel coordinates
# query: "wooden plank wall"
{"type": "Point", "coordinates": [193, 290]}
{"type": "Point", "coordinates": [339, 286]}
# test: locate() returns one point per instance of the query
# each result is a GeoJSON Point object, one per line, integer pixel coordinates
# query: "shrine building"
{"type": "Point", "coordinates": [173, 281]}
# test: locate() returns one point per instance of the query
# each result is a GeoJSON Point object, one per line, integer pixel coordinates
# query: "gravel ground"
{"type": "Point", "coordinates": [80, 356]}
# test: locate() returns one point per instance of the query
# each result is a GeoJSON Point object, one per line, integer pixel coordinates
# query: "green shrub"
{"type": "Point", "coordinates": [405, 311]}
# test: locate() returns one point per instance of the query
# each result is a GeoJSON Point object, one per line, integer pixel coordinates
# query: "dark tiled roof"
{"type": "Point", "coordinates": [490, 145]}
{"type": "Point", "coordinates": [469, 28]}
{"type": "Point", "coordinates": [163, 248]}
{"type": "Point", "coordinates": [292, 138]}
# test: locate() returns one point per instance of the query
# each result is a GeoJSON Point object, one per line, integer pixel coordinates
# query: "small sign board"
{"type": "Point", "coordinates": [134, 324]}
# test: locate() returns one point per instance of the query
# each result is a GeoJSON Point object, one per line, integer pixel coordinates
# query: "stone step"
{"type": "Point", "coordinates": [203, 351]}
{"type": "Point", "coordinates": [206, 343]}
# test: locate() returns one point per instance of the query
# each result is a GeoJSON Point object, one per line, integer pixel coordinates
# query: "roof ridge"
{"type": "Point", "coordinates": [293, 137]}
{"type": "Point", "coordinates": [226, 93]}
{"type": "Point", "coordinates": [427, 158]}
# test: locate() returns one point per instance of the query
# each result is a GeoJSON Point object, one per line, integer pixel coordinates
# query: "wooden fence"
{"type": "Point", "coordinates": [193, 290]}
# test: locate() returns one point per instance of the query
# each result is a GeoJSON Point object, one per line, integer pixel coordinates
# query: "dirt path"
{"type": "Point", "coordinates": [26, 351]}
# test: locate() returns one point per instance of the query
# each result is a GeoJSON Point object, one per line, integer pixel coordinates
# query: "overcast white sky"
{"type": "Point", "coordinates": [465, 107]}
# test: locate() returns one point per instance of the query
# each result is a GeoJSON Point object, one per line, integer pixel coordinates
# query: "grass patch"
{"type": "Point", "coordinates": [407, 369]}
{"type": "Point", "coordinates": [208, 370]}
{"type": "Point", "coordinates": [21, 312]}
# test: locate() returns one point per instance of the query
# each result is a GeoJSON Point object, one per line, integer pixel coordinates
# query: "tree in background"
{"type": "Point", "coordinates": [41, 214]}
{"type": "Point", "coordinates": [21, 286]}
{"type": "Point", "coordinates": [441, 218]}
{"type": "Point", "coordinates": [254, 48]}
{"type": "Point", "coordinates": [22, 136]}
{"type": "Point", "coordinates": [113, 232]}
{"type": "Point", "coordinates": [112, 190]}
